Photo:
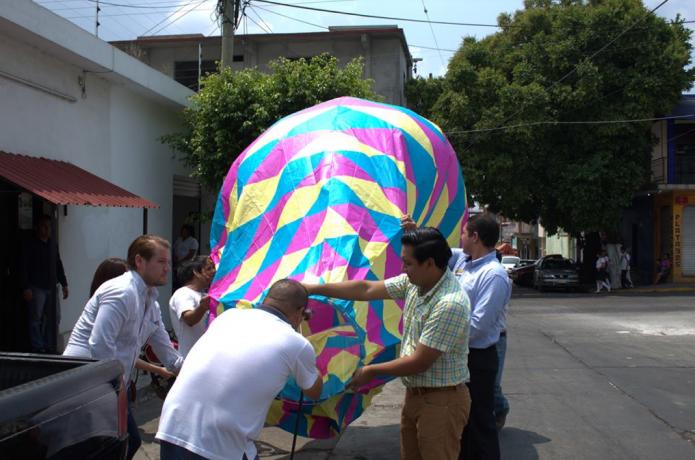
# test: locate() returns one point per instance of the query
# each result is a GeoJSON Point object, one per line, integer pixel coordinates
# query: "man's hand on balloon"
{"type": "Point", "coordinates": [407, 223]}
{"type": "Point", "coordinates": [361, 377]}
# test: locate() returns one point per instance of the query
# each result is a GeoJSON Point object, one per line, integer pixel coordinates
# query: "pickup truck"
{"type": "Point", "coordinates": [55, 407]}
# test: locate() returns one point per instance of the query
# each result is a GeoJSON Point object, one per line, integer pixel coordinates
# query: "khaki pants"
{"type": "Point", "coordinates": [432, 423]}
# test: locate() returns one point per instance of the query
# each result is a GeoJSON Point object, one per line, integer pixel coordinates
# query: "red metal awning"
{"type": "Point", "coordinates": [64, 183]}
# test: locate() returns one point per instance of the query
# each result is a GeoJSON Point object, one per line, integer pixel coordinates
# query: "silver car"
{"type": "Point", "coordinates": [556, 272]}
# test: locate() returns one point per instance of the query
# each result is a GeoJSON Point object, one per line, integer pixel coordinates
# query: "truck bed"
{"type": "Point", "coordinates": [59, 407]}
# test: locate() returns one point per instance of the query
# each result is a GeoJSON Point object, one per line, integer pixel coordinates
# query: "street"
{"type": "Point", "coordinates": [588, 377]}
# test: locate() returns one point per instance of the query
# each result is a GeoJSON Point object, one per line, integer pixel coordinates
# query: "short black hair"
{"type": "Point", "coordinates": [428, 242]}
{"type": "Point", "coordinates": [189, 228]}
{"type": "Point", "coordinates": [486, 227]}
{"type": "Point", "coordinates": [188, 268]}
{"type": "Point", "coordinates": [289, 292]}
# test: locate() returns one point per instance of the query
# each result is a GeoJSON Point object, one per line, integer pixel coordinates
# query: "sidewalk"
{"type": "Point", "coordinates": [376, 432]}
{"type": "Point", "coordinates": [661, 288]}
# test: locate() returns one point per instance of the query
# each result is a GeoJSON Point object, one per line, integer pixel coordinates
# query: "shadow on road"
{"type": "Point", "coordinates": [518, 444]}
{"type": "Point", "coordinates": [356, 443]}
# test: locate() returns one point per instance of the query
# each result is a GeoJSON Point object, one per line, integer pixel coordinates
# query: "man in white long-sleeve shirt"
{"type": "Point", "coordinates": [123, 315]}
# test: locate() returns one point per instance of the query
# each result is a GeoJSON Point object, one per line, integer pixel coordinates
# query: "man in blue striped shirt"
{"type": "Point", "coordinates": [488, 287]}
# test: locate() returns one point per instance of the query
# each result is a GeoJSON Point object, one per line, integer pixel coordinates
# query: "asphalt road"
{"type": "Point", "coordinates": [588, 377]}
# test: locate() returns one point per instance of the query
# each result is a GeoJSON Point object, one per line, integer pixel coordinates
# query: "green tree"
{"type": "Point", "coordinates": [233, 108]}
{"type": "Point", "coordinates": [574, 176]}
{"type": "Point", "coordinates": [422, 94]}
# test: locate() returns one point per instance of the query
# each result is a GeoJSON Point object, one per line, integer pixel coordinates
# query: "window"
{"type": "Point", "coordinates": [558, 264]}
{"type": "Point", "coordinates": [186, 72]}
{"type": "Point", "coordinates": [685, 154]}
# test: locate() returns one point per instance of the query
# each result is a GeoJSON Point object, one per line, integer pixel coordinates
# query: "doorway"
{"type": "Point", "coordinates": [19, 211]}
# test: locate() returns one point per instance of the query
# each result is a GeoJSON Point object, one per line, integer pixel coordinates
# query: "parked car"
{"type": "Point", "coordinates": [509, 262]}
{"type": "Point", "coordinates": [55, 407]}
{"type": "Point", "coordinates": [557, 272]}
{"type": "Point", "coordinates": [523, 273]}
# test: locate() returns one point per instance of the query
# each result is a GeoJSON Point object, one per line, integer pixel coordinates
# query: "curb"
{"type": "Point", "coordinates": [658, 290]}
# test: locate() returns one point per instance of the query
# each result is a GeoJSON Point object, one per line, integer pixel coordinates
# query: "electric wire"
{"type": "Point", "coordinates": [263, 26]}
{"type": "Point", "coordinates": [178, 10]}
{"type": "Point", "coordinates": [429, 23]}
{"type": "Point", "coordinates": [372, 16]}
{"type": "Point", "coordinates": [291, 18]}
{"type": "Point", "coordinates": [576, 122]}
{"type": "Point", "coordinates": [557, 82]}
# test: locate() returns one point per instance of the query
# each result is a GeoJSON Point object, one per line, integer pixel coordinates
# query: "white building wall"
{"type": "Point", "coordinates": [112, 131]}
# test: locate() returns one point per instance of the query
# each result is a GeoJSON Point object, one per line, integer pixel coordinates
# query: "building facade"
{"type": "Point", "coordinates": [89, 116]}
{"type": "Point", "coordinates": [187, 57]}
{"type": "Point", "coordinates": [673, 172]}
{"type": "Point", "coordinates": [661, 221]}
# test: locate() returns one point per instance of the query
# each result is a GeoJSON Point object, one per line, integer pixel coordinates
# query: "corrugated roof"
{"type": "Point", "coordinates": [64, 183]}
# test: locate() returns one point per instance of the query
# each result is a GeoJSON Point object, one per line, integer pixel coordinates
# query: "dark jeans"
{"type": "Point", "coordinates": [37, 319]}
{"type": "Point", "coordinates": [169, 451]}
{"type": "Point", "coordinates": [134, 440]}
{"type": "Point", "coordinates": [501, 403]}
{"type": "Point", "coordinates": [479, 440]}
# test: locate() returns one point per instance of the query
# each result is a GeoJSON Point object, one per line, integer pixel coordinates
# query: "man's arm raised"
{"type": "Point", "coordinates": [350, 290]}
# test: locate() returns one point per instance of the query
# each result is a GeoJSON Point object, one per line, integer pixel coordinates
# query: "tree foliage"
{"type": "Point", "coordinates": [422, 94]}
{"type": "Point", "coordinates": [234, 107]}
{"type": "Point", "coordinates": [548, 64]}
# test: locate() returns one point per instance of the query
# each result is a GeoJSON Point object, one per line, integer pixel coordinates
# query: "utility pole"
{"type": "Point", "coordinates": [229, 12]}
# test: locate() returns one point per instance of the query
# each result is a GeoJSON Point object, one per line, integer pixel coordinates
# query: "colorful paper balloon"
{"type": "Point", "coordinates": [318, 197]}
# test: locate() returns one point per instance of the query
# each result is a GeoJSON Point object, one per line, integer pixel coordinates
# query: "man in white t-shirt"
{"type": "Point", "coordinates": [189, 306]}
{"type": "Point", "coordinates": [221, 397]}
{"type": "Point", "coordinates": [185, 248]}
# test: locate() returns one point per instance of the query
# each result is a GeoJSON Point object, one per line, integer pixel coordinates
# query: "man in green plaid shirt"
{"type": "Point", "coordinates": [433, 361]}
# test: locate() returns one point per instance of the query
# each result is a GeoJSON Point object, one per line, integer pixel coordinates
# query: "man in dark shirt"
{"type": "Point", "coordinates": [41, 268]}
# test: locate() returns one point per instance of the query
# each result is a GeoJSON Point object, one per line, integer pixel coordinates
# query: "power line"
{"type": "Point", "coordinates": [263, 27]}
{"type": "Point", "coordinates": [130, 5]}
{"type": "Point", "coordinates": [346, 13]}
{"type": "Point", "coordinates": [429, 23]}
{"type": "Point", "coordinates": [324, 1]}
{"type": "Point", "coordinates": [156, 2]}
{"type": "Point", "coordinates": [163, 20]}
{"type": "Point", "coordinates": [574, 69]}
{"type": "Point", "coordinates": [170, 16]}
{"type": "Point", "coordinates": [583, 122]}
{"type": "Point", "coordinates": [290, 17]}
{"type": "Point", "coordinates": [111, 15]}
{"type": "Point", "coordinates": [431, 48]}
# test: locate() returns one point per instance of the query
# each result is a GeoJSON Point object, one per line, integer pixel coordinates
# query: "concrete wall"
{"type": "Point", "coordinates": [112, 131]}
{"type": "Point", "coordinates": [560, 244]}
{"type": "Point", "coordinates": [384, 59]}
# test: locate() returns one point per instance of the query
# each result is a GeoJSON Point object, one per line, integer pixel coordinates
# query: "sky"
{"type": "Point", "coordinates": [434, 44]}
